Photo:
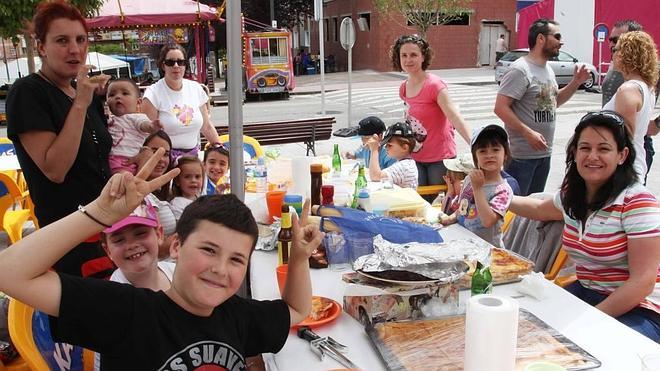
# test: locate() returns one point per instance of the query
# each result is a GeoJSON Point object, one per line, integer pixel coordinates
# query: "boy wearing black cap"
{"type": "Point", "coordinates": [367, 127]}
{"type": "Point", "coordinates": [399, 140]}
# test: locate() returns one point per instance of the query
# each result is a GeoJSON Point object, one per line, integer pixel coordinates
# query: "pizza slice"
{"type": "Point", "coordinates": [320, 308]}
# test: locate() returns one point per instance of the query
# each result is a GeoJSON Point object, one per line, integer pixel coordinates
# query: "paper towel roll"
{"type": "Point", "coordinates": [491, 333]}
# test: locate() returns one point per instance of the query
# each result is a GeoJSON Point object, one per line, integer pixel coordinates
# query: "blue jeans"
{"type": "Point", "coordinates": [430, 173]}
{"type": "Point", "coordinates": [642, 320]}
{"type": "Point", "coordinates": [531, 174]}
{"type": "Point", "coordinates": [648, 146]}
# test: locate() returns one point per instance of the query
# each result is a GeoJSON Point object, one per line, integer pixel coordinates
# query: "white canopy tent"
{"type": "Point", "coordinates": [101, 61]}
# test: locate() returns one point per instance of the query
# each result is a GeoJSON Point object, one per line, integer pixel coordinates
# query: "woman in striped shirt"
{"type": "Point", "coordinates": [612, 224]}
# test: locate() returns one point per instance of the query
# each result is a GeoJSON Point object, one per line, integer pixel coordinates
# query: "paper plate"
{"type": "Point", "coordinates": [372, 276]}
{"type": "Point", "coordinates": [335, 312]}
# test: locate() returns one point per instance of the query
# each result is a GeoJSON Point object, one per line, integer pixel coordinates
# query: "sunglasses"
{"type": "Point", "coordinates": [413, 38]}
{"type": "Point", "coordinates": [172, 62]}
{"type": "Point", "coordinates": [557, 35]}
{"type": "Point", "coordinates": [607, 117]}
{"type": "Point", "coordinates": [613, 39]}
{"type": "Point", "coordinates": [218, 146]}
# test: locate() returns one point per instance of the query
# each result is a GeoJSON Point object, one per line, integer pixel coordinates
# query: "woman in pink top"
{"type": "Point", "coordinates": [430, 110]}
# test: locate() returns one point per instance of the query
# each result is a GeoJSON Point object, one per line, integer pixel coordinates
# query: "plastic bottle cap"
{"type": "Point", "coordinates": [363, 193]}
{"type": "Point", "coordinates": [316, 168]}
{"type": "Point", "coordinates": [292, 199]}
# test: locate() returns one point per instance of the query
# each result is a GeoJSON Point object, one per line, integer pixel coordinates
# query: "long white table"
{"type": "Point", "coordinates": [615, 345]}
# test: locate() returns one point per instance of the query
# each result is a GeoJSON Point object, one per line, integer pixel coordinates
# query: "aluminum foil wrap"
{"type": "Point", "coordinates": [439, 261]}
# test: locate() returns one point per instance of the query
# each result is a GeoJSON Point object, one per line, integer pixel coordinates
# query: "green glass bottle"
{"type": "Point", "coordinates": [482, 280]}
{"type": "Point", "coordinates": [336, 162]}
{"type": "Point", "coordinates": [360, 184]}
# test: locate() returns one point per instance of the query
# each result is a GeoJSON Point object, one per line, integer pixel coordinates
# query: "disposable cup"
{"type": "Point", "coordinates": [274, 201]}
{"type": "Point", "coordinates": [361, 244]}
{"type": "Point", "coordinates": [281, 272]}
{"type": "Point", "coordinates": [336, 251]}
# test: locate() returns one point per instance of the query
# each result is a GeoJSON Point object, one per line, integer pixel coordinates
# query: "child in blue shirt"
{"type": "Point", "coordinates": [367, 127]}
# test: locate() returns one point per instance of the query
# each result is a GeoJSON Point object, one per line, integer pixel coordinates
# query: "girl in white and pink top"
{"type": "Point", "coordinates": [431, 112]}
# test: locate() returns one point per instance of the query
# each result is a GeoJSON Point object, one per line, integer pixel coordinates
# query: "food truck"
{"type": "Point", "coordinates": [268, 62]}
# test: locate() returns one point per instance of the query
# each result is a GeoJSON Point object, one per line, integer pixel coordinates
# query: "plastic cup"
{"type": "Point", "coordinates": [281, 272]}
{"type": "Point", "coordinates": [361, 244]}
{"type": "Point", "coordinates": [274, 201]}
{"type": "Point", "coordinates": [336, 250]}
{"type": "Point", "coordinates": [379, 207]}
{"type": "Point", "coordinates": [651, 362]}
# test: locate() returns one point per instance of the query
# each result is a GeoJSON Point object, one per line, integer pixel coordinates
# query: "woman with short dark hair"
{"type": "Point", "coordinates": [59, 130]}
{"type": "Point", "coordinates": [611, 224]}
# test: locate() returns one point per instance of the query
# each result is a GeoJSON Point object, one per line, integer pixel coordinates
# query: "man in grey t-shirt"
{"type": "Point", "coordinates": [527, 103]}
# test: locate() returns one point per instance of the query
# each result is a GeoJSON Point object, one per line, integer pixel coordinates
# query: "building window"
{"type": "Point", "coordinates": [335, 29]}
{"type": "Point", "coordinates": [364, 21]}
{"type": "Point", "coordinates": [325, 29]}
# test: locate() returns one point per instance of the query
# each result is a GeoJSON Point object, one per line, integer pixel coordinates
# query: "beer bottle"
{"type": "Point", "coordinates": [284, 237]}
{"type": "Point", "coordinates": [482, 280]}
{"type": "Point", "coordinates": [336, 162]}
{"type": "Point", "coordinates": [360, 184]}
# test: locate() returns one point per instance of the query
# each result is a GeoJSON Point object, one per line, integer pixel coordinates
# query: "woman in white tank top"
{"type": "Point", "coordinates": [635, 56]}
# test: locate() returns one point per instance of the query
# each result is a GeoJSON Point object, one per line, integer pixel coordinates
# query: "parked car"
{"type": "Point", "coordinates": [563, 65]}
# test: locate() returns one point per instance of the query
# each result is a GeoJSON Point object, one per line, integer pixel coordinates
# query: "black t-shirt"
{"type": "Point", "coordinates": [139, 329]}
{"type": "Point", "coordinates": [33, 104]}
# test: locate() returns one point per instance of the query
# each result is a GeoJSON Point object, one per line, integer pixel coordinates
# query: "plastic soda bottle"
{"type": "Point", "coordinates": [261, 176]}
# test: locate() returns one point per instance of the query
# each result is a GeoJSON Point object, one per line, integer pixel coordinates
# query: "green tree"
{"type": "Point", "coordinates": [15, 15]}
{"type": "Point", "coordinates": [424, 13]}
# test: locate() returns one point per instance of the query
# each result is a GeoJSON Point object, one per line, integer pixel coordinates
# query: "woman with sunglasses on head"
{"type": "Point", "coordinates": [431, 112]}
{"type": "Point", "coordinates": [57, 124]}
{"type": "Point", "coordinates": [611, 224]}
{"type": "Point", "coordinates": [179, 104]}
{"type": "Point", "coordinates": [635, 56]}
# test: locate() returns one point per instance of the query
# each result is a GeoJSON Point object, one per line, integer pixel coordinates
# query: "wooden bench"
{"type": "Point", "coordinates": [307, 131]}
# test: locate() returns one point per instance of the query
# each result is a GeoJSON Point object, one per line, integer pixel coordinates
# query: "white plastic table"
{"type": "Point", "coordinates": [615, 345]}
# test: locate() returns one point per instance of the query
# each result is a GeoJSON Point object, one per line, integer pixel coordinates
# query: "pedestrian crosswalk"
{"type": "Point", "coordinates": [475, 103]}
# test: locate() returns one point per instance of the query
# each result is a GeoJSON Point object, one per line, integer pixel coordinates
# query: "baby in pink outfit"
{"type": "Point", "coordinates": [127, 126]}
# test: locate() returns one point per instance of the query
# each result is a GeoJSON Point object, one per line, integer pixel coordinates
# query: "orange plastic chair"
{"type": "Point", "coordinates": [21, 330]}
{"type": "Point", "coordinates": [431, 190]}
{"type": "Point", "coordinates": [559, 263]}
{"type": "Point", "coordinates": [13, 219]}
{"type": "Point", "coordinates": [508, 217]}
{"type": "Point", "coordinates": [250, 145]}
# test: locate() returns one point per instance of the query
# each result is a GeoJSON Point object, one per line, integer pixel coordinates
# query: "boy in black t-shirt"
{"type": "Point", "coordinates": [198, 321]}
